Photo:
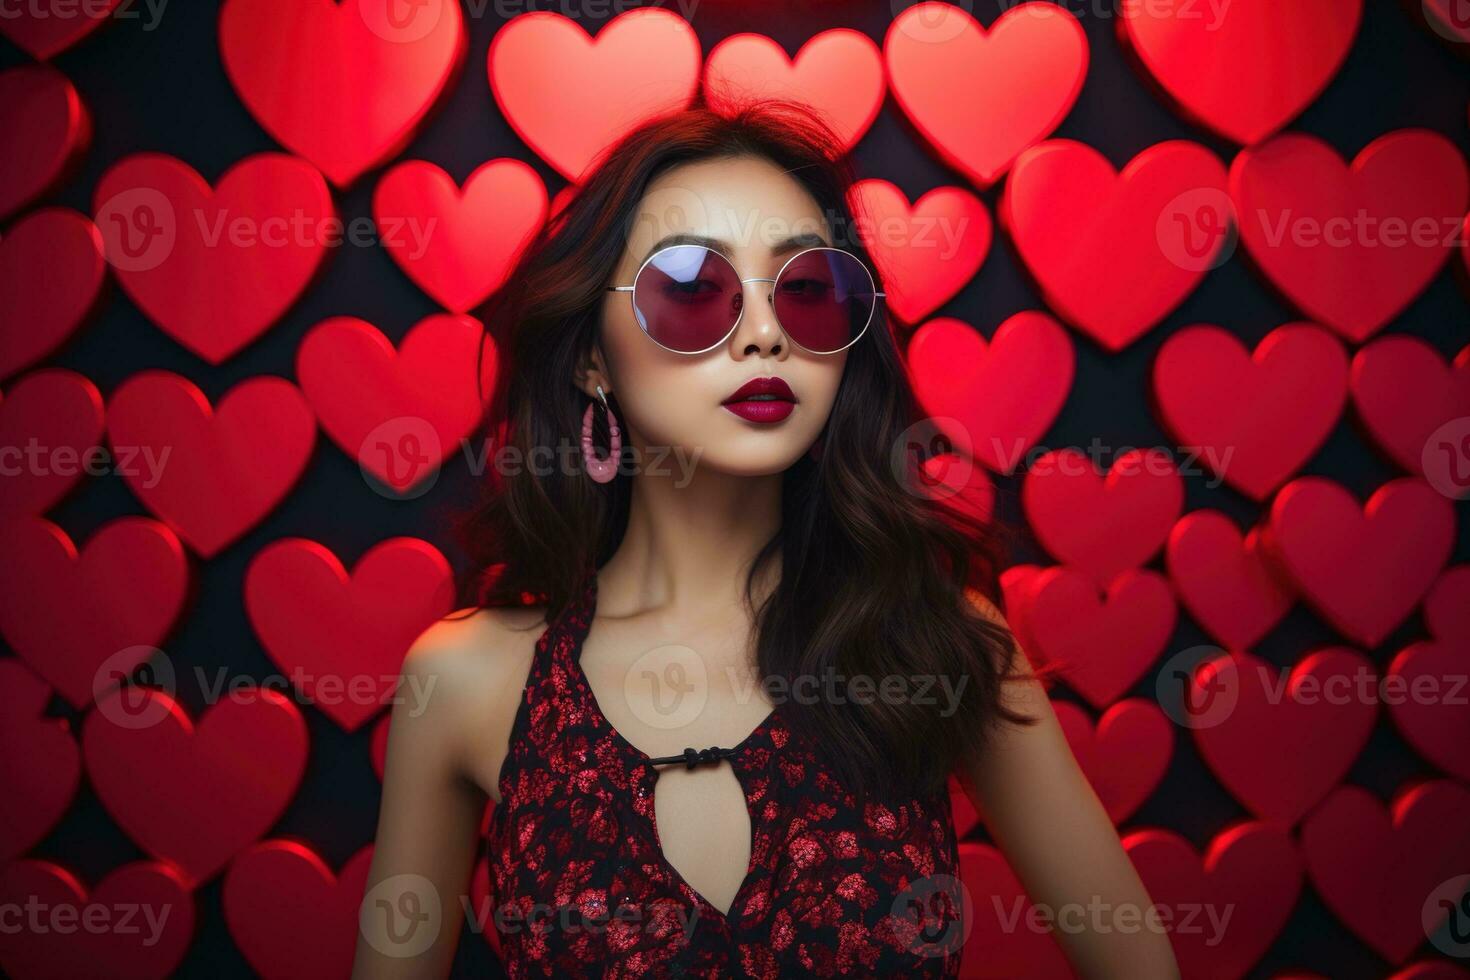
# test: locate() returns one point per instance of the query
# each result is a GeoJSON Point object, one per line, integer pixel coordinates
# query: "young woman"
{"type": "Point", "coordinates": [724, 645]}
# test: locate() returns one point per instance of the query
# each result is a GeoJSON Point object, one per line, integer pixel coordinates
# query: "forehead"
{"type": "Point", "coordinates": [747, 203]}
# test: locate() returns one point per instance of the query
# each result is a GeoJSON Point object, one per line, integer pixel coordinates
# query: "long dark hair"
{"type": "Point", "coordinates": [874, 567]}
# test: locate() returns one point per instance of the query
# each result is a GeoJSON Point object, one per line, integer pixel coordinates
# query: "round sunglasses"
{"type": "Point", "coordinates": [689, 299]}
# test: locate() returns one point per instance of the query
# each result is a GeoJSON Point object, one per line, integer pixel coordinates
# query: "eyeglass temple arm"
{"type": "Point", "coordinates": [629, 289]}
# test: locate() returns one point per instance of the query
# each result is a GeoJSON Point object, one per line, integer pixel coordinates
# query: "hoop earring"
{"type": "Point", "coordinates": [601, 470]}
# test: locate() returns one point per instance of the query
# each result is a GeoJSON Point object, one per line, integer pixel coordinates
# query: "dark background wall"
{"type": "Point", "coordinates": [165, 90]}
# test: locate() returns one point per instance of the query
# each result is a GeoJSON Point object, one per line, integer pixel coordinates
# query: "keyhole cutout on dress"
{"type": "Point", "coordinates": [704, 829]}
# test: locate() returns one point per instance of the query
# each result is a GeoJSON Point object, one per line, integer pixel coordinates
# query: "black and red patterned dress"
{"type": "Point", "coordinates": [580, 886]}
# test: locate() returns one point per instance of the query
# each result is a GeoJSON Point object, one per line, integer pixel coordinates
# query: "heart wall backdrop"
{"type": "Point", "coordinates": [1098, 316]}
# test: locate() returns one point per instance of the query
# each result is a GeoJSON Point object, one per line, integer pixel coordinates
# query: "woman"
{"type": "Point", "coordinates": [722, 654]}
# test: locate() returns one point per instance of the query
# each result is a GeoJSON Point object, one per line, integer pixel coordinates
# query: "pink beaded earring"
{"type": "Point", "coordinates": [601, 470]}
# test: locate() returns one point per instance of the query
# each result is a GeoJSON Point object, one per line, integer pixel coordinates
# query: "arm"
{"type": "Point", "coordinates": [1061, 843]}
{"type": "Point", "coordinates": [429, 819]}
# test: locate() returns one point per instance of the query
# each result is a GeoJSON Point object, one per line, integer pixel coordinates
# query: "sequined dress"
{"type": "Point", "coordinates": [580, 886]}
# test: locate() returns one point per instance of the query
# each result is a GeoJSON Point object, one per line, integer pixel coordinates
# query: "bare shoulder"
{"type": "Point", "coordinates": [466, 673]}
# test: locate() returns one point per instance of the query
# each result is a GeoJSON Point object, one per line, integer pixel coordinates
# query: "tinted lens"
{"type": "Point", "coordinates": [824, 299]}
{"type": "Point", "coordinates": [687, 297]}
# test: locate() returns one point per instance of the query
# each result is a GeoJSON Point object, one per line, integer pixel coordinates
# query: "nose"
{"type": "Point", "coordinates": [759, 330]}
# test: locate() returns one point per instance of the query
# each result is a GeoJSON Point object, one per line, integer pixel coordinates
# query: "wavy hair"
{"type": "Point", "coordinates": [875, 567]}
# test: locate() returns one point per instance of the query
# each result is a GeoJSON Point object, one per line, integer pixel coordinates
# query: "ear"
{"type": "Point", "coordinates": [591, 371]}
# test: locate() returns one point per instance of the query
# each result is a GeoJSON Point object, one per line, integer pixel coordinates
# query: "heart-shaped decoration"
{"type": "Point", "coordinates": [344, 83]}
{"type": "Point", "coordinates": [59, 411]}
{"type": "Point", "coordinates": [1125, 756]}
{"type": "Point", "coordinates": [1447, 606]}
{"type": "Point", "coordinates": [1285, 56]}
{"type": "Point", "coordinates": [147, 948]}
{"type": "Point", "coordinates": [51, 273]}
{"type": "Point", "coordinates": [1243, 711]}
{"type": "Point", "coordinates": [1256, 418]}
{"type": "Point", "coordinates": [247, 248]}
{"type": "Point", "coordinates": [1003, 936]}
{"type": "Point", "coordinates": [955, 479]}
{"type": "Point", "coordinates": [1351, 247]}
{"type": "Point", "coordinates": [1102, 525]}
{"type": "Point", "coordinates": [994, 400]}
{"type": "Point", "coordinates": [39, 762]}
{"type": "Point", "coordinates": [483, 901]}
{"type": "Point", "coordinates": [1403, 391]}
{"type": "Point", "coordinates": [961, 808]}
{"type": "Point", "coordinates": [1101, 644]}
{"type": "Point", "coordinates": [925, 252]}
{"type": "Point", "coordinates": [212, 473]}
{"type": "Point", "coordinates": [1430, 710]}
{"type": "Point", "coordinates": [1225, 580]}
{"type": "Point", "coordinates": [1115, 252]}
{"type": "Point", "coordinates": [571, 96]}
{"type": "Point", "coordinates": [1447, 18]}
{"type": "Point", "coordinates": [84, 621]}
{"type": "Point", "coordinates": [1015, 587]}
{"type": "Point", "coordinates": [981, 97]}
{"type": "Point", "coordinates": [399, 413]}
{"type": "Point", "coordinates": [458, 245]}
{"type": "Point", "coordinates": [1324, 540]}
{"type": "Point", "coordinates": [342, 638]}
{"type": "Point", "coordinates": [44, 132]}
{"type": "Point", "coordinates": [1377, 867]}
{"type": "Point", "coordinates": [195, 796]}
{"type": "Point", "coordinates": [1251, 869]}
{"type": "Point", "coordinates": [289, 914]}
{"type": "Point", "coordinates": [839, 73]}
{"type": "Point", "coordinates": [45, 32]}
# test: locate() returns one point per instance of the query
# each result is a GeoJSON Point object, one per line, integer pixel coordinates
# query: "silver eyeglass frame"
{"type": "Point", "coordinates": [770, 297]}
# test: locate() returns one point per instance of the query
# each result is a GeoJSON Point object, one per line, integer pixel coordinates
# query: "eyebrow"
{"type": "Point", "coordinates": [805, 239]}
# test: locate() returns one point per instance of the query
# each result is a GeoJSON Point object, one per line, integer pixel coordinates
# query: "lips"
{"type": "Point", "coordinates": [762, 400]}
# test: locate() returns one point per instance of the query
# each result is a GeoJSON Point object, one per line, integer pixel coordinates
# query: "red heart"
{"type": "Point", "coordinates": [378, 745]}
{"type": "Point", "coordinates": [1345, 245]}
{"type": "Point", "coordinates": [1256, 417]}
{"type": "Point", "coordinates": [44, 131]}
{"type": "Point", "coordinates": [1324, 541]}
{"type": "Point", "coordinates": [1002, 936]}
{"type": "Point", "coordinates": [247, 248]}
{"type": "Point", "coordinates": [342, 638]}
{"type": "Point", "coordinates": [195, 796]}
{"type": "Point", "coordinates": [40, 766]}
{"type": "Point", "coordinates": [1102, 645]}
{"type": "Point", "coordinates": [957, 481]}
{"type": "Point", "coordinates": [1448, 19]}
{"type": "Point", "coordinates": [1447, 606]}
{"type": "Point", "coordinates": [1015, 584]}
{"type": "Point", "coordinates": [1403, 391]}
{"type": "Point", "coordinates": [83, 622]}
{"type": "Point", "coordinates": [1428, 705]}
{"type": "Point", "coordinates": [399, 413]}
{"type": "Point", "coordinates": [1224, 580]}
{"type": "Point", "coordinates": [1284, 56]}
{"type": "Point", "coordinates": [1114, 253]}
{"type": "Point", "coordinates": [1102, 525]}
{"type": "Point", "coordinates": [1126, 756]}
{"type": "Point", "coordinates": [47, 31]}
{"type": "Point", "coordinates": [1378, 872]}
{"type": "Point", "coordinates": [139, 922]}
{"type": "Point", "coordinates": [925, 252]}
{"type": "Point", "coordinates": [344, 84]}
{"type": "Point", "coordinates": [59, 412]}
{"type": "Point", "coordinates": [51, 272]}
{"type": "Point", "coordinates": [961, 808]}
{"type": "Point", "coordinates": [226, 467]}
{"type": "Point", "coordinates": [571, 97]}
{"type": "Point", "coordinates": [289, 914]}
{"type": "Point", "coordinates": [482, 899]}
{"type": "Point", "coordinates": [839, 73]}
{"type": "Point", "coordinates": [458, 245]}
{"type": "Point", "coordinates": [1243, 712]}
{"type": "Point", "coordinates": [981, 97]}
{"type": "Point", "coordinates": [995, 400]}
{"type": "Point", "coordinates": [1223, 911]}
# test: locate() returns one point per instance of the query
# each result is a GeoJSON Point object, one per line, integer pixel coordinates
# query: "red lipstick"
{"type": "Point", "coordinates": [762, 400]}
